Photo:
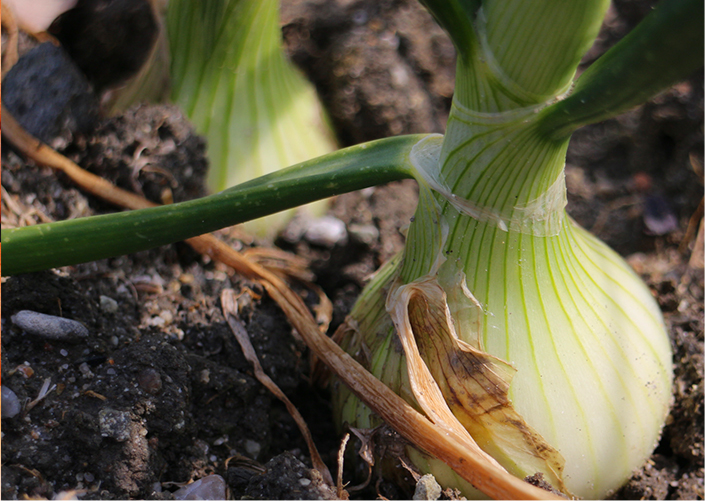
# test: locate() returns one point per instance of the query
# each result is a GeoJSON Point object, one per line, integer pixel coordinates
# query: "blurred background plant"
{"type": "Point", "coordinates": [222, 62]}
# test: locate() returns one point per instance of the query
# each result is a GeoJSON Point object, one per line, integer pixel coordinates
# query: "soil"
{"type": "Point", "coordinates": [160, 393]}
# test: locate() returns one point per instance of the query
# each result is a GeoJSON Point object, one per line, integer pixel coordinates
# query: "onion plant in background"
{"type": "Point", "coordinates": [227, 71]}
{"type": "Point", "coordinates": [540, 340]}
{"type": "Point", "coordinates": [232, 79]}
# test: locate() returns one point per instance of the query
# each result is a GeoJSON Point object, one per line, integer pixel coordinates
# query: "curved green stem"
{"type": "Point", "coordinates": [64, 243]}
{"type": "Point", "coordinates": [666, 47]}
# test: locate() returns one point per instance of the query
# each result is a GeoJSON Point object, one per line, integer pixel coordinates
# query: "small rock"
{"type": "Point", "coordinates": [326, 231]}
{"type": "Point", "coordinates": [114, 424]}
{"type": "Point", "coordinates": [239, 477]}
{"type": "Point", "coordinates": [427, 488]}
{"type": "Point", "coordinates": [85, 371]}
{"type": "Point", "coordinates": [48, 95]}
{"type": "Point", "coordinates": [49, 326]}
{"type": "Point", "coordinates": [110, 41]}
{"type": "Point", "coordinates": [364, 233]}
{"type": "Point", "coordinates": [108, 304]}
{"type": "Point", "coordinates": [252, 448]}
{"type": "Point", "coordinates": [210, 487]}
{"type": "Point", "coordinates": [65, 496]}
{"type": "Point", "coordinates": [11, 405]}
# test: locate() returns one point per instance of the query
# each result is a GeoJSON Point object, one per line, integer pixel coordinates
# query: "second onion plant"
{"type": "Point", "coordinates": [234, 82]}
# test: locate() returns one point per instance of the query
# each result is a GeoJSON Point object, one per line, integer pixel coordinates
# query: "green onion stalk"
{"type": "Point", "coordinates": [230, 76]}
{"type": "Point", "coordinates": [544, 343]}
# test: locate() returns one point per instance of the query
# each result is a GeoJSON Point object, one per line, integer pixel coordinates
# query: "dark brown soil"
{"type": "Point", "coordinates": [160, 393]}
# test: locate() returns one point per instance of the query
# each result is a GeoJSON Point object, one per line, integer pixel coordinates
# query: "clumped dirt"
{"type": "Point", "coordinates": [160, 393]}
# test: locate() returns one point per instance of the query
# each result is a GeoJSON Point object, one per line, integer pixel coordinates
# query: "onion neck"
{"type": "Point", "coordinates": [505, 172]}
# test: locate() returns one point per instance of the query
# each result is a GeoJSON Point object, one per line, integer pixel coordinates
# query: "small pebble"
{"type": "Point", "coordinates": [167, 316]}
{"type": "Point", "coordinates": [11, 405]}
{"type": "Point", "coordinates": [66, 495]}
{"type": "Point", "coordinates": [108, 304]}
{"type": "Point", "coordinates": [49, 326]}
{"type": "Point", "coordinates": [47, 70]}
{"type": "Point", "coordinates": [210, 487]}
{"type": "Point", "coordinates": [364, 233]}
{"type": "Point", "coordinates": [326, 231]}
{"type": "Point", "coordinates": [85, 370]}
{"type": "Point", "coordinates": [427, 488]}
{"type": "Point", "coordinates": [156, 321]}
{"type": "Point", "coordinates": [114, 424]}
{"type": "Point", "coordinates": [252, 448]}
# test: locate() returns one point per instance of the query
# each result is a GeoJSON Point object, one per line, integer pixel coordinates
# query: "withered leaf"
{"type": "Point", "coordinates": [475, 386]}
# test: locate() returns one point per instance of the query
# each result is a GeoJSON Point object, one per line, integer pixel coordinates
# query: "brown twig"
{"type": "Point", "coordinates": [693, 223]}
{"type": "Point", "coordinates": [42, 154]}
{"type": "Point", "coordinates": [696, 256]}
{"type": "Point", "coordinates": [10, 52]}
{"type": "Point", "coordinates": [340, 488]}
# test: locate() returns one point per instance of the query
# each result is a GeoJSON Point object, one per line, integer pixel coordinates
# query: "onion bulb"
{"type": "Point", "coordinates": [543, 342]}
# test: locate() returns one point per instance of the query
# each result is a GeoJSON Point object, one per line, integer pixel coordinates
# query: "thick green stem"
{"type": "Point", "coordinates": [504, 170]}
{"type": "Point", "coordinates": [495, 165]}
{"type": "Point", "coordinates": [537, 45]}
{"type": "Point", "coordinates": [514, 53]}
